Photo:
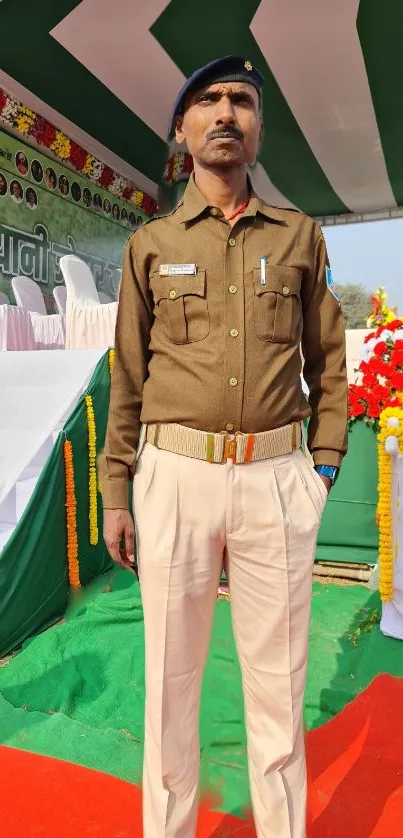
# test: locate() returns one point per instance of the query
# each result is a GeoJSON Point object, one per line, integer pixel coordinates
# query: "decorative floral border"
{"type": "Point", "coordinates": [13, 114]}
{"type": "Point", "coordinates": [179, 166]}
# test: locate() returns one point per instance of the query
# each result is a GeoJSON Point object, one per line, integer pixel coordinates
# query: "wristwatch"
{"type": "Point", "coordinates": [328, 471]}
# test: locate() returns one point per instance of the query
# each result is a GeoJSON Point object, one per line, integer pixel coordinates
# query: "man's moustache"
{"type": "Point", "coordinates": [229, 132]}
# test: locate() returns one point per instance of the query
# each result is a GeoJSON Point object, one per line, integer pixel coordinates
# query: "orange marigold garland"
{"type": "Point", "coordinates": [92, 471]}
{"type": "Point", "coordinates": [71, 516]}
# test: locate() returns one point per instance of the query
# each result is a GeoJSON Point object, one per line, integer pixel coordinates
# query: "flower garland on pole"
{"type": "Point", "coordinates": [30, 125]}
{"type": "Point", "coordinates": [71, 516]}
{"type": "Point", "coordinates": [111, 360]}
{"type": "Point", "coordinates": [390, 440]}
{"type": "Point", "coordinates": [92, 472]}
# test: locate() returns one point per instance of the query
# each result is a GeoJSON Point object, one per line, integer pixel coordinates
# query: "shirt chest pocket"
{"type": "Point", "coordinates": [180, 306]}
{"type": "Point", "coordinates": [277, 304]}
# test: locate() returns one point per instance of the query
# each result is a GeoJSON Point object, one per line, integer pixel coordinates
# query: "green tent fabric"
{"type": "Point", "coordinates": [323, 64]}
{"type": "Point", "coordinates": [348, 532]}
{"type": "Point", "coordinates": [34, 587]}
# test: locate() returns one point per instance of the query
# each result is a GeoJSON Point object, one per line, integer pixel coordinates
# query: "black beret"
{"type": "Point", "coordinates": [230, 68]}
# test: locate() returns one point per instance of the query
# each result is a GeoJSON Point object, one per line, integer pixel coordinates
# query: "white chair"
{"type": "Point", "coordinates": [60, 298]}
{"type": "Point", "coordinates": [49, 329]}
{"type": "Point", "coordinates": [4, 301]}
{"type": "Point", "coordinates": [28, 294]}
{"type": "Point", "coordinates": [89, 324]}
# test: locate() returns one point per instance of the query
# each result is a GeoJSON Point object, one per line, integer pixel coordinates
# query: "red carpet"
{"type": "Point", "coordinates": [355, 770]}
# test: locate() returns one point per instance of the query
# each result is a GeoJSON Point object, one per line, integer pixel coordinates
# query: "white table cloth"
{"type": "Point", "coordinates": [16, 330]}
{"type": "Point", "coordinates": [49, 330]}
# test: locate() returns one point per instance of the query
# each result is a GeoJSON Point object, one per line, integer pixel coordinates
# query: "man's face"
{"type": "Point", "coordinates": [222, 125]}
{"type": "Point", "coordinates": [16, 190]}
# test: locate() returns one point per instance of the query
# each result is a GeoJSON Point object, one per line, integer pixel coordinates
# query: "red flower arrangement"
{"type": "Point", "coordinates": [77, 156]}
{"type": "Point", "coordinates": [381, 374]}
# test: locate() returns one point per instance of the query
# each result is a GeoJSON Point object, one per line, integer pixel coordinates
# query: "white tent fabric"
{"type": "Point", "coordinates": [39, 390]}
{"type": "Point", "coordinates": [89, 324]}
{"type": "Point", "coordinates": [16, 330]}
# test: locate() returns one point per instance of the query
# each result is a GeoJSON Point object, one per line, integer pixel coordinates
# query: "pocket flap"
{"type": "Point", "coordinates": [280, 279]}
{"type": "Point", "coordinates": [172, 287]}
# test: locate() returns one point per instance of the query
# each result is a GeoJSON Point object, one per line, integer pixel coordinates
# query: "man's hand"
{"type": "Point", "coordinates": [327, 481]}
{"type": "Point", "coordinates": [118, 526]}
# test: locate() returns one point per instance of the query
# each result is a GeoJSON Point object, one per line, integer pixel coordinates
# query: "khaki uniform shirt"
{"type": "Point", "coordinates": [219, 350]}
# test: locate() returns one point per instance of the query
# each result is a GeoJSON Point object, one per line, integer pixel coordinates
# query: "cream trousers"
{"type": "Point", "coordinates": [264, 516]}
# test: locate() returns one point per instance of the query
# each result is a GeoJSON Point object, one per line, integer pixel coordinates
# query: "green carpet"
{"type": "Point", "coordinates": [77, 691]}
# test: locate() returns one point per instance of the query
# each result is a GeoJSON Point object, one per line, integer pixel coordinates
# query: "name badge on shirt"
{"type": "Point", "coordinates": [178, 270]}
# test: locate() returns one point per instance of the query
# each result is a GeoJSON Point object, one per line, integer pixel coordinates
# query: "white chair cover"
{"type": "Point", "coordinates": [16, 331]}
{"type": "Point", "coordinates": [89, 324]}
{"type": "Point", "coordinates": [49, 330]}
{"type": "Point", "coordinates": [28, 294]}
{"type": "Point", "coordinates": [60, 298]}
{"type": "Point", "coordinates": [4, 301]}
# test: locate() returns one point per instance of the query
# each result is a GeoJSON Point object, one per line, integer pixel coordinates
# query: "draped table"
{"type": "Point", "coordinates": [16, 330]}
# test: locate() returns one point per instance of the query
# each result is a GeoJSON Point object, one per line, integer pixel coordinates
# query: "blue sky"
{"type": "Point", "coordinates": [369, 254]}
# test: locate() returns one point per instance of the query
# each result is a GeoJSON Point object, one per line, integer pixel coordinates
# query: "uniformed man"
{"type": "Point", "coordinates": [216, 300]}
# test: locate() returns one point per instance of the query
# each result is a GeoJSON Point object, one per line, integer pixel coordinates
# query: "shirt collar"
{"type": "Point", "coordinates": [193, 204]}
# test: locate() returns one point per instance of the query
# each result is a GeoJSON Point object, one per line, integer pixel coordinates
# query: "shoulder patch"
{"type": "Point", "coordinates": [331, 283]}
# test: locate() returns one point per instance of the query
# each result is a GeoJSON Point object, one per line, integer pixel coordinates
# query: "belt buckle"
{"type": "Point", "coordinates": [230, 449]}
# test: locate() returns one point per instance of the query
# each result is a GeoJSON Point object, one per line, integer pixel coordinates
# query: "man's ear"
{"type": "Point", "coordinates": [261, 135]}
{"type": "Point", "coordinates": [179, 133]}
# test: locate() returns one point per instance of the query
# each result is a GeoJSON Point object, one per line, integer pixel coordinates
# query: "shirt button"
{"type": "Point", "coordinates": [229, 426]}
{"type": "Point", "coordinates": [286, 290]}
{"type": "Point", "coordinates": [231, 242]}
{"type": "Point", "coordinates": [233, 382]}
{"type": "Point", "coordinates": [214, 211]}
{"type": "Point", "coordinates": [234, 333]}
{"type": "Point", "coordinates": [233, 289]}
{"type": "Point", "coordinates": [172, 294]}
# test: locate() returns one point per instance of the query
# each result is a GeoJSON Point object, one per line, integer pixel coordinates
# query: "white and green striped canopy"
{"type": "Point", "coordinates": [107, 71]}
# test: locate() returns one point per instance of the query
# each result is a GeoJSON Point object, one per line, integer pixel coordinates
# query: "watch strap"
{"type": "Point", "coordinates": [328, 471]}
